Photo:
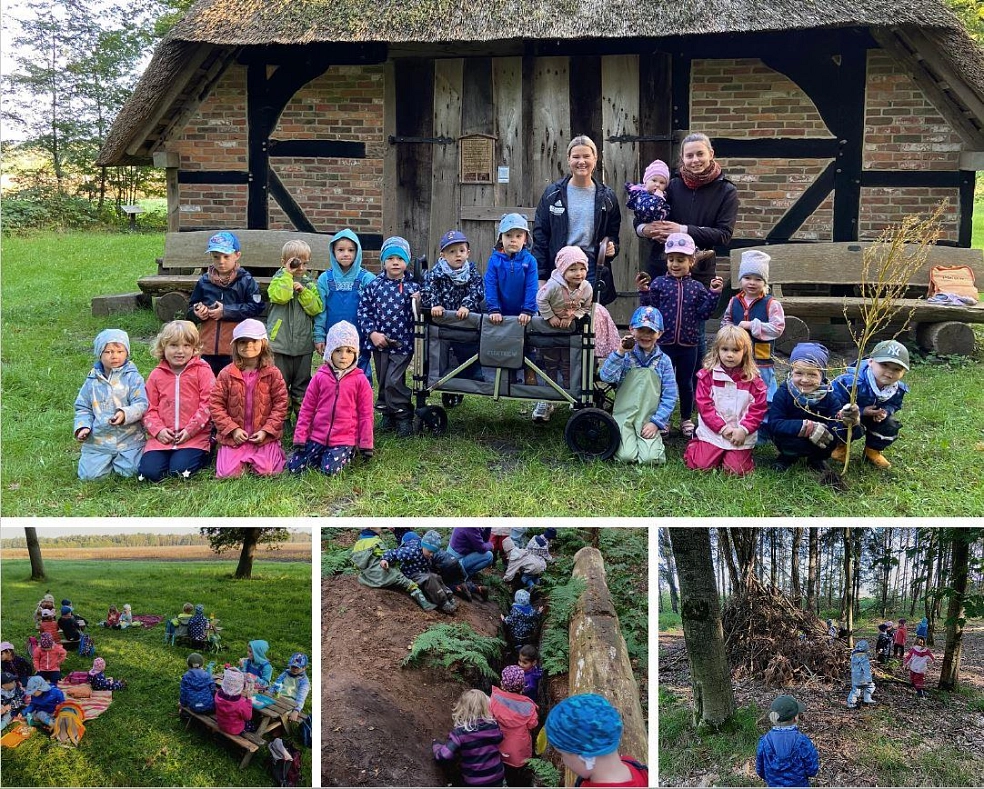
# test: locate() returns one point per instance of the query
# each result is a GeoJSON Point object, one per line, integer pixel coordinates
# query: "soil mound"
{"type": "Point", "coordinates": [380, 718]}
{"type": "Point", "coordinates": [768, 637]}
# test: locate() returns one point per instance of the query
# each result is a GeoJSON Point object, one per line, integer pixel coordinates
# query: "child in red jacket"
{"type": "Point", "coordinates": [517, 717]}
{"type": "Point", "coordinates": [177, 419]}
{"type": "Point", "coordinates": [899, 638]}
{"type": "Point", "coordinates": [335, 420]}
{"type": "Point", "coordinates": [233, 710]}
{"type": "Point", "coordinates": [48, 658]}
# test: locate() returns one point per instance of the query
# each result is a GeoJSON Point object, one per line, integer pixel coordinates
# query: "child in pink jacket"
{"type": "Point", "coordinates": [336, 416]}
{"type": "Point", "coordinates": [233, 710]}
{"type": "Point", "coordinates": [917, 661]}
{"type": "Point", "coordinates": [516, 715]}
{"type": "Point", "coordinates": [177, 421]}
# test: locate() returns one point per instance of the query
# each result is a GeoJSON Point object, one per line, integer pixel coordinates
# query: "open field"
{"type": "Point", "coordinates": [139, 740]}
{"type": "Point", "coordinates": [285, 552]}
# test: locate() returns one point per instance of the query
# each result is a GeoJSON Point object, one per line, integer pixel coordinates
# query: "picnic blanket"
{"type": "Point", "coordinates": [148, 620]}
{"type": "Point", "coordinates": [95, 705]}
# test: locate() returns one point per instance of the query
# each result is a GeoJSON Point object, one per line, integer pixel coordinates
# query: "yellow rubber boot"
{"type": "Point", "coordinates": [839, 455]}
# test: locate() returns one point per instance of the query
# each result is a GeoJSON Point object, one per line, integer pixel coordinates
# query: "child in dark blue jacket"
{"type": "Point", "coordinates": [197, 687]}
{"type": "Point", "coordinates": [786, 756]}
{"type": "Point", "coordinates": [510, 277]}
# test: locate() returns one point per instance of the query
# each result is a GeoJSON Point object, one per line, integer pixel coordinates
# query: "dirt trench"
{"type": "Point", "coordinates": [380, 718]}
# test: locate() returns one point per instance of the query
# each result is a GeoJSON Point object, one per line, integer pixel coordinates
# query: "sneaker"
{"type": "Point", "coordinates": [784, 462]}
{"type": "Point", "coordinates": [839, 455]}
{"type": "Point", "coordinates": [876, 459]}
{"type": "Point", "coordinates": [687, 428]}
{"type": "Point", "coordinates": [542, 411]}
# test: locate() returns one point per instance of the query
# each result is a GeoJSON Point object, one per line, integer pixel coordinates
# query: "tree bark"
{"type": "Point", "coordinates": [745, 540]}
{"type": "Point", "coordinates": [794, 569]}
{"type": "Point", "coordinates": [724, 537]}
{"type": "Point", "coordinates": [714, 698]}
{"type": "Point", "coordinates": [245, 567]}
{"type": "Point", "coordinates": [950, 670]}
{"type": "Point", "coordinates": [34, 552]}
{"type": "Point", "coordinates": [928, 601]}
{"type": "Point", "coordinates": [812, 581]}
{"type": "Point", "coordinates": [847, 601]}
{"type": "Point", "coordinates": [667, 550]}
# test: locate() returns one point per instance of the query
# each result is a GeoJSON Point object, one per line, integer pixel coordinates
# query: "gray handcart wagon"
{"type": "Point", "coordinates": [472, 356]}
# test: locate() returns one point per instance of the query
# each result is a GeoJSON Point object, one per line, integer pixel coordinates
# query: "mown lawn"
{"type": "Point", "coordinates": [493, 462]}
{"type": "Point", "coordinates": [139, 740]}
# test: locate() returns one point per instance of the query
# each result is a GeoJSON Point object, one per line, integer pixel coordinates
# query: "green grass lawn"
{"type": "Point", "coordinates": [139, 740]}
{"type": "Point", "coordinates": [493, 462]}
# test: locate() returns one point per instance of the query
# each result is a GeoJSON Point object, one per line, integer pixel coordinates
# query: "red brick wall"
{"type": "Point", "coordinates": [346, 104]}
{"type": "Point", "coordinates": [742, 98]}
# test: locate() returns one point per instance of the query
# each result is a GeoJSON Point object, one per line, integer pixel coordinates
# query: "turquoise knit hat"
{"type": "Point", "coordinates": [586, 725]}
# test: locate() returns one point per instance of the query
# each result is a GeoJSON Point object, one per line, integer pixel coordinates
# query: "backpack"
{"type": "Point", "coordinates": [952, 279]}
{"type": "Point", "coordinates": [87, 647]}
{"type": "Point", "coordinates": [304, 731]}
{"type": "Point", "coordinates": [286, 772]}
{"type": "Point", "coordinates": [68, 727]}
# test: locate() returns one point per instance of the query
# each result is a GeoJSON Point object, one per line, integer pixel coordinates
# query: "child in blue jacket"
{"type": "Point", "coordinates": [197, 687]}
{"type": "Point", "coordinates": [510, 277]}
{"type": "Point", "coordinates": [256, 662]}
{"type": "Point", "coordinates": [879, 395]}
{"type": "Point", "coordinates": [786, 756]}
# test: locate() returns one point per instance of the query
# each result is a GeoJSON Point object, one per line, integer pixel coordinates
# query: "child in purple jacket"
{"type": "Point", "coordinates": [475, 740]}
{"type": "Point", "coordinates": [472, 546]}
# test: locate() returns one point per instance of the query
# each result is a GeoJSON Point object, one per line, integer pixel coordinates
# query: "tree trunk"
{"type": "Point", "coordinates": [811, 572]}
{"type": "Point", "coordinates": [599, 658]}
{"type": "Point", "coordinates": [917, 574]}
{"type": "Point", "coordinates": [886, 572]}
{"type": "Point", "coordinates": [794, 568]}
{"type": "Point", "coordinates": [847, 601]}
{"type": "Point", "coordinates": [950, 670]}
{"type": "Point", "coordinates": [710, 675]}
{"type": "Point", "coordinates": [773, 559]}
{"type": "Point", "coordinates": [745, 541]}
{"type": "Point", "coordinates": [667, 550]}
{"type": "Point", "coordinates": [724, 539]}
{"type": "Point", "coordinates": [245, 567]}
{"type": "Point", "coordinates": [34, 552]}
{"type": "Point", "coordinates": [595, 537]}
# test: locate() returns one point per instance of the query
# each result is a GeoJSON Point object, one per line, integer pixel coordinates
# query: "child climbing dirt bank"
{"type": "Point", "coordinates": [419, 671]}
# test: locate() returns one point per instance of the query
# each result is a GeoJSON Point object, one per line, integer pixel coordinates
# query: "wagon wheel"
{"type": "Point", "coordinates": [592, 434]}
{"type": "Point", "coordinates": [431, 419]}
{"type": "Point", "coordinates": [171, 306]}
{"type": "Point", "coordinates": [451, 400]}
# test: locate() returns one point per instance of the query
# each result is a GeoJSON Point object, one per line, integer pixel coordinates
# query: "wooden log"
{"type": "Point", "coordinates": [796, 332]}
{"type": "Point", "coordinates": [172, 306]}
{"type": "Point", "coordinates": [599, 659]}
{"type": "Point", "coordinates": [121, 302]}
{"type": "Point", "coordinates": [947, 338]}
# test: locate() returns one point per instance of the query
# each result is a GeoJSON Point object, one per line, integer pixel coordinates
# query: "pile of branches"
{"type": "Point", "coordinates": [769, 638]}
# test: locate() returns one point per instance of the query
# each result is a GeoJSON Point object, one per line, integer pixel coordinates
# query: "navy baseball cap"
{"type": "Point", "coordinates": [224, 242]}
{"type": "Point", "coordinates": [453, 237]}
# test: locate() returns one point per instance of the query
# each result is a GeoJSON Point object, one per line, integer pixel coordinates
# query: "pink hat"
{"type": "Point", "coordinates": [680, 242]}
{"type": "Point", "coordinates": [513, 679]}
{"type": "Point", "coordinates": [98, 665]}
{"type": "Point", "coordinates": [656, 168]}
{"type": "Point", "coordinates": [233, 682]}
{"type": "Point", "coordinates": [249, 329]}
{"type": "Point", "coordinates": [568, 256]}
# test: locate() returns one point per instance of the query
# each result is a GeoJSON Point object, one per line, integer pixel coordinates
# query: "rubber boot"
{"type": "Point", "coordinates": [876, 459]}
{"type": "Point", "coordinates": [449, 606]}
{"type": "Point", "coordinates": [480, 590]}
{"type": "Point", "coordinates": [404, 428]}
{"type": "Point", "coordinates": [423, 602]}
{"type": "Point", "coordinates": [463, 592]}
{"type": "Point", "coordinates": [839, 455]}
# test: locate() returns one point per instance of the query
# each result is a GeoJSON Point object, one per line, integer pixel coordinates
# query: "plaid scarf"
{"type": "Point", "coordinates": [697, 181]}
{"type": "Point", "coordinates": [222, 280]}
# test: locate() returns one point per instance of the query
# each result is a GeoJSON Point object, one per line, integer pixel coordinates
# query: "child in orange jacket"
{"type": "Point", "coordinates": [48, 657]}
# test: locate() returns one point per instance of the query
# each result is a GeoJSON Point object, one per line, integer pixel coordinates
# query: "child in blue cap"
{"type": "Point", "coordinates": [647, 389]}
{"type": "Point", "coordinates": [386, 325]}
{"type": "Point", "coordinates": [224, 295]}
{"type": "Point", "coordinates": [293, 683]}
{"type": "Point", "coordinates": [586, 729]}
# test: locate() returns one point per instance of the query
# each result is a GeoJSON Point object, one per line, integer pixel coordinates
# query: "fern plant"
{"type": "Point", "coordinates": [456, 647]}
{"type": "Point", "coordinates": [335, 561]}
{"type": "Point", "coordinates": [544, 773]}
{"type": "Point", "coordinates": [555, 644]}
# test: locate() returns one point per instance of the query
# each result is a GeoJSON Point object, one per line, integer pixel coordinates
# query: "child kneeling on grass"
{"type": "Point", "coordinates": [475, 740]}
{"type": "Point", "coordinates": [786, 756]}
{"type": "Point", "coordinates": [586, 730]}
{"type": "Point", "coordinates": [197, 687]}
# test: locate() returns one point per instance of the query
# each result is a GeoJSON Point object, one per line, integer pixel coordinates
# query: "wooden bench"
{"type": "Point", "coordinates": [818, 287]}
{"type": "Point", "coordinates": [251, 742]}
{"type": "Point", "coordinates": [185, 261]}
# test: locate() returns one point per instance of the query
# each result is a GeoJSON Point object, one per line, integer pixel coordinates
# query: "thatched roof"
{"type": "Point", "coordinates": [219, 28]}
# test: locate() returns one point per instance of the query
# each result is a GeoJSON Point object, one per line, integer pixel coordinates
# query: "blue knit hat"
{"type": "Point", "coordinates": [812, 353]}
{"type": "Point", "coordinates": [410, 535]}
{"type": "Point", "coordinates": [395, 245]}
{"type": "Point", "coordinates": [431, 541]}
{"type": "Point", "coordinates": [585, 725]}
{"type": "Point", "coordinates": [522, 597]}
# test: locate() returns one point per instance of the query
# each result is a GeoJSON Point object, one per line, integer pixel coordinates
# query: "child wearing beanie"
{"type": "Point", "coordinates": [786, 756]}
{"type": "Point", "coordinates": [98, 679]}
{"type": "Point", "coordinates": [233, 710]}
{"type": "Point", "coordinates": [760, 314]}
{"type": "Point", "coordinates": [48, 658]}
{"type": "Point", "coordinates": [647, 200]}
{"type": "Point", "coordinates": [517, 717]}
{"type": "Point", "coordinates": [586, 730]}
{"type": "Point", "coordinates": [336, 420]}
{"type": "Point", "coordinates": [197, 687]}
{"type": "Point", "coordinates": [418, 561]}
{"type": "Point", "coordinates": [523, 620]}
{"type": "Point", "coordinates": [807, 417]}
{"type": "Point", "coordinates": [386, 321]}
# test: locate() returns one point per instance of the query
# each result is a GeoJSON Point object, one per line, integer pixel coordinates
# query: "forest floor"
{"type": "Point", "coordinates": [901, 741]}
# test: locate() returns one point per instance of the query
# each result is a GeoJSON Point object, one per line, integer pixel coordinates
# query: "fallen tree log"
{"type": "Point", "coordinates": [599, 659]}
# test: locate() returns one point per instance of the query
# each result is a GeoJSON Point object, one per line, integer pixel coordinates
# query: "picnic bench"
{"type": "Point", "coordinates": [185, 261]}
{"type": "Point", "coordinates": [271, 719]}
{"type": "Point", "coordinates": [818, 285]}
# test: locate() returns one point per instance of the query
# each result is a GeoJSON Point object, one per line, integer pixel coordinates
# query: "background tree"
{"type": "Point", "coordinates": [34, 552]}
{"type": "Point", "coordinates": [700, 610]}
{"type": "Point", "coordinates": [794, 566]}
{"type": "Point", "coordinates": [960, 603]}
{"type": "Point", "coordinates": [847, 600]}
{"type": "Point", "coordinates": [667, 569]}
{"type": "Point", "coordinates": [811, 572]}
{"type": "Point", "coordinates": [221, 538]}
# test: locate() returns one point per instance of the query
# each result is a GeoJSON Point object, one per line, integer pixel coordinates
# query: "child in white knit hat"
{"type": "Point", "coordinates": [759, 313]}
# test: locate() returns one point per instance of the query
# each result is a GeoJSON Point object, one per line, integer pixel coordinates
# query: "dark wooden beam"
{"type": "Point", "coordinates": [915, 179]}
{"type": "Point", "coordinates": [289, 205]}
{"type": "Point", "coordinates": [965, 231]}
{"type": "Point", "coordinates": [655, 107]}
{"type": "Point", "coordinates": [259, 123]}
{"type": "Point", "coordinates": [213, 177]}
{"type": "Point", "coordinates": [414, 161]}
{"type": "Point", "coordinates": [338, 53]}
{"type": "Point", "coordinates": [476, 97]}
{"type": "Point", "coordinates": [680, 90]}
{"type": "Point", "coordinates": [776, 148]}
{"type": "Point", "coordinates": [314, 149]}
{"type": "Point", "coordinates": [804, 207]}
{"type": "Point", "coordinates": [585, 99]}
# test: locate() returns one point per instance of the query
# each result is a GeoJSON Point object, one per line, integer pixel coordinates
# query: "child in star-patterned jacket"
{"type": "Point", "coordinates": [386, 325]}
{"type": "Point", "coordinates": [98, 679]}
{"type": "Point", "coordinates": [418, 561]}
{"type": "Point", "coordinates": [648, 200]}
{"type": "Point", "coordinates": [455, 285]}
